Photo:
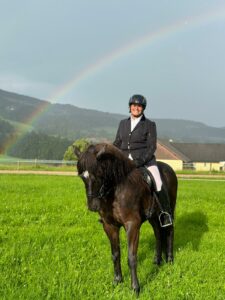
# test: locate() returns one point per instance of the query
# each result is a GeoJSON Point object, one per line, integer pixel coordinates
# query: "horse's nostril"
{"type": "Point", "coordinates": [93, 204]}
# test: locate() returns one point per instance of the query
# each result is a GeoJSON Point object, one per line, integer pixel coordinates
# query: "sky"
{"type": "Point", "coordinates": [96, 54]}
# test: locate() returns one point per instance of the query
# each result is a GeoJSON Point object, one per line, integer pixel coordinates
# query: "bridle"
{"type": "Point", "coordinates": [104, 190]}
{"type": "Point", "coordinates": [102, 193]}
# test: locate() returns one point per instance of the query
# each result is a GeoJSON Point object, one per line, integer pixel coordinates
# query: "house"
{"type": "Point", "coordinates": [204, 157]}
{"type": "Point", "coordinates": [200, 157]}
{"type": "Point", "coordinates": [167, 153]}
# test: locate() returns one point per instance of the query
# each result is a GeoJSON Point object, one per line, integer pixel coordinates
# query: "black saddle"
{"type": "Point", "coordinates": [148, 178]}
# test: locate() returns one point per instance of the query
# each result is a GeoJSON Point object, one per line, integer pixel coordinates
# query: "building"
{"type": "Point", "coordinates": [167, 153]}
{"type": "Point", "coordinates": [200, 157]}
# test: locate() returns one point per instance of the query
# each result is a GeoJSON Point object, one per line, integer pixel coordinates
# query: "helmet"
{"type": "Point", "coordinates": [138, 99]}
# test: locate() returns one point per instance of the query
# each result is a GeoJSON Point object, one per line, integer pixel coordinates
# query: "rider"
{"type": "Point", "coordinates": [137, 138]}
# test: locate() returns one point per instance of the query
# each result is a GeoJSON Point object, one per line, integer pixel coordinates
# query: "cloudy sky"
{"type": "Point", "coordinates": [96, 53]}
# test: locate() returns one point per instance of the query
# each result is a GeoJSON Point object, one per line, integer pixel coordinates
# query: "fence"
{"type": "Point", "coordinates": [188, 166]}
{"type": "Point", "coordinates": [36, 163]}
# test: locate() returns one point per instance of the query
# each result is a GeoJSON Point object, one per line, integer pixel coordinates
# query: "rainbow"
{"type": "Point", "coordinates": [147, 40]}
{"type": "Point", "coordinates": [24, 127]}
{"type": "Point", "coordinates": [139, 43]}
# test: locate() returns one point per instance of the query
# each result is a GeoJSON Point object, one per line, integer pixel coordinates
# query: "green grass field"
{"type": "Point", "coordinates": [52, 247]}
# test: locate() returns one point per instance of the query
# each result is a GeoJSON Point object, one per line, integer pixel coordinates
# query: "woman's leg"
{"type": "Point", "coordinates": [163, 198]}
{"type": "Point", "coordinates": [156, 175]}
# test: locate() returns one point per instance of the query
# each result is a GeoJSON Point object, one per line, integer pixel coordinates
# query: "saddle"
{"type": "Point", "coordinates": [148, 178]}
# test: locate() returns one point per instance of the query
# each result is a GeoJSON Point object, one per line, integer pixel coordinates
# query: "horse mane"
{"type": "Point", "coordinates": [115, 166]}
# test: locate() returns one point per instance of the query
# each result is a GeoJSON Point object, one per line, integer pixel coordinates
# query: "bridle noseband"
{"type": "Point", "coordinates": [102, 193]}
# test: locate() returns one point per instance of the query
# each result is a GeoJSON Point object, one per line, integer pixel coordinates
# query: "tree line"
{"type": "Point", "coordinates": [7, 132]}
{"type": "Point", "coordinates": [37, 145]}
{"type": "Point", "coordinates": [32, 145]}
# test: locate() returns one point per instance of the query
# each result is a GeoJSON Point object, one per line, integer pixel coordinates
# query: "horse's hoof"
{"type": "Point", "coordinates": [137, 290]}
{"type": "Point", "coordinates": [157, 260]}
{"type": "Point", "coordinates": [117, 279]}
{"type": "Point", "coordinates": [169, 259]}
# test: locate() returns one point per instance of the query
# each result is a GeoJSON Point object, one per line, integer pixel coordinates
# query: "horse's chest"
{"type": "Point", "coordinates": [121, 212]}
{"type": "Point", "coordinates": [114, 214]}
{"type": "Point", "coordinates": [117, 212]}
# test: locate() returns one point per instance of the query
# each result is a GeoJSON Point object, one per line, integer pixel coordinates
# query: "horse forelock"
{"type": "Point", "coordinates": [87, 162]}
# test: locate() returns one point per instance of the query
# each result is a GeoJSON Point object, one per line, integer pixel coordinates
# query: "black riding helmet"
{"type": "Point", "coordinates": [138, 99]}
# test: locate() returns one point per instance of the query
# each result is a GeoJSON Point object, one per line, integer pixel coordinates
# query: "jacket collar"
{"type": "Point", "coordinates": [142, 118]}
{"type": "Point", "coordinates": [138, 124]}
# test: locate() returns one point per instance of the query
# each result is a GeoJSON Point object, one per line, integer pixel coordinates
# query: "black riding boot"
{"type": "Point", "coordinates": [165, 218]}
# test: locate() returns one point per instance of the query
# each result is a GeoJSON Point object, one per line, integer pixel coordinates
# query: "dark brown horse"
{"type": "Point", "coordinates": [115, 189]}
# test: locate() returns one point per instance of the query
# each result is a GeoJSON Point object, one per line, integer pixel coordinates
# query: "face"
{"type": "Point", "coordinates": [136, 110]}
{"type": "Point", "coordinates": [92, 186]}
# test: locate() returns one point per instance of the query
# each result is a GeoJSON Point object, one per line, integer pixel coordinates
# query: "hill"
{"type": "Point", "coordinates": [72, 122]}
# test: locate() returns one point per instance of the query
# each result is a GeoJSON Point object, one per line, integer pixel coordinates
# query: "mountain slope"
{"type": "Point", "coordinates": [73, 122]}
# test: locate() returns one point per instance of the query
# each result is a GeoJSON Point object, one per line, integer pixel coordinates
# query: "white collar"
{"type": "Point", "coordinates": [134, 121]}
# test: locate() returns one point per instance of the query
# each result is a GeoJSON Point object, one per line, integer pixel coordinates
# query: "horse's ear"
{"type": "Point", "coordinates": [101, 153]}
{"type": "Point", "coordinates": [76, 151]}
{"type": "Point", "coordinates": [107, 151]}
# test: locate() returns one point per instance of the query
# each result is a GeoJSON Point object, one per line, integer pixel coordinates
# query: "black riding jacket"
{"type": "Point", "coordinates": [140, 143]}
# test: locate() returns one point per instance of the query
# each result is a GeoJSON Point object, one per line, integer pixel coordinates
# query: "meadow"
{"type": "Point", "coordinates": [52, 247]}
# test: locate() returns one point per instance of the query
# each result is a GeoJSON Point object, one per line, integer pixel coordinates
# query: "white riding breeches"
{"type": "Point", "coordinates": [156, 175]}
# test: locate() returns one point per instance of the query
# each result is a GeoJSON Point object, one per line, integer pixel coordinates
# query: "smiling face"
{"type": "Point", "coordinates": [136, 110]}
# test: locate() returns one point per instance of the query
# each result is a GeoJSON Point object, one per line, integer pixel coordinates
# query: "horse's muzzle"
{"type": "Point", "coordinates": [93, 204]}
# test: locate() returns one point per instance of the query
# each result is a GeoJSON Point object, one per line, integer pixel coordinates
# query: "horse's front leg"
{"type": "Point", "coordinates": [132, 230]}
{"type": "Point", "coordinates": [113, 235]}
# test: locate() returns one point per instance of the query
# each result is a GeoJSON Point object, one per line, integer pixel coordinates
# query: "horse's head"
{"type": "Point", "coordinates": [94, 190]}
{"type": "Point", "coordinates": [101, 168]}
{"type": "Point", "coordinates": [90, 171]}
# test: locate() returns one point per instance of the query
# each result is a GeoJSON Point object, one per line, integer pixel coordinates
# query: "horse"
{"type": "Point", "coordinates": [116, 189]}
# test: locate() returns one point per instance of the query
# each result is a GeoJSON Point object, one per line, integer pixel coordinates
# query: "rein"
{"type": "Point", "coordinates": [103, 192]}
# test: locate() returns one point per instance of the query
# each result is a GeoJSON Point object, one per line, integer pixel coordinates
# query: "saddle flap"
{"type": "Point", "coordinates": [148, 178]}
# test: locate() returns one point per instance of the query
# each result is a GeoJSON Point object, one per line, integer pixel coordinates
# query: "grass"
{"type": "Point", "coordinates": [190, 172]}
{"type": "Point", "coordinates": [52, 247]}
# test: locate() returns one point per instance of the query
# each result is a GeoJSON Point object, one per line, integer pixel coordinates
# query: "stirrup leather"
{"type": "Point", "coordinates": [169, 216]}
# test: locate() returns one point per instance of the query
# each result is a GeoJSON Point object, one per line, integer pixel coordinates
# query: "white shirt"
{"type": "Point", "coordinates": [134, 122]}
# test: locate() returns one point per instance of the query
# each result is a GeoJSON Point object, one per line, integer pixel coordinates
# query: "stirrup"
{"type": "Point", "coordinates": [168, 215]}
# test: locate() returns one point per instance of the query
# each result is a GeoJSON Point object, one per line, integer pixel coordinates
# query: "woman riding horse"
{"type": "Point", "coordinates": [116, 190]}
{"type": "Point", "coordinates": [137, 138]}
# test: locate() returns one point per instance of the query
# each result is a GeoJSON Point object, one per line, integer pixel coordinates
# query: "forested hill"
{"type": "Point", "coordinates": [57, 119]}
{"type": "Point", "coordinates": [72, 122]}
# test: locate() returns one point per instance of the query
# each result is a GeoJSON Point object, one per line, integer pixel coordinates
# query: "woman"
{"type": "Point", "coordinates": [137, 138]}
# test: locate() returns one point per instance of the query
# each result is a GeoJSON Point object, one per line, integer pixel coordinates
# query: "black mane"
{"type": "Point", "coordinates": [114, 165]}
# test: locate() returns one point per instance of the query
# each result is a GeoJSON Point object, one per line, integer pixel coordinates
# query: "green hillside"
{"type": "Point", "coordinates": [73, 122]}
